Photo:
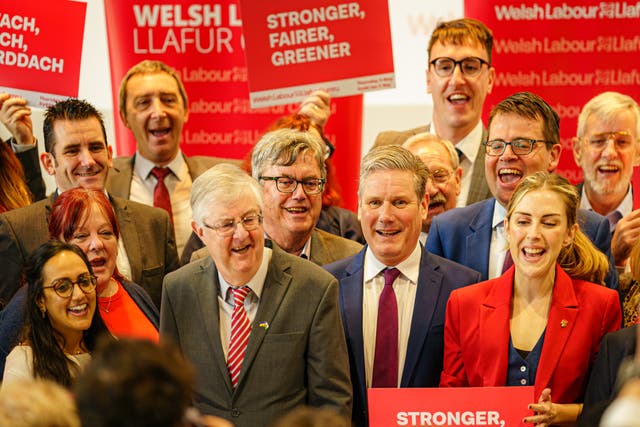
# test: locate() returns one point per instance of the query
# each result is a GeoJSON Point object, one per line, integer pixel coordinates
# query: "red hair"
{"type": "Point", "coordinates": [331, 194]}
{"type": "Point", "coordinates": [13, 190]}
{"type": "Point", "coordinates": [73, 206]}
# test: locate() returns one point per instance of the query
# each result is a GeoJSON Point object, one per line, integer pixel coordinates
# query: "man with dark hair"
{"type": "Point", "coordinates": [459, 77]}
{"type": "Point", "coordinates": [136, 383]}
{"type": "Point", "coordinates": [78, 156]}
{"type": "Point", "coordinates": [523, 139]}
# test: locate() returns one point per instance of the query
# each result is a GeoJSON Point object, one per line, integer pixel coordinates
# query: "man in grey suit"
{"type": "Point", "coordinates": [290, 166]}
{"type": "Point", "coordinates": [459, 77]}
{"type": "Point", "coordinates": [77, 155]}
{"type": "Point", "coordinates": [261, 326]}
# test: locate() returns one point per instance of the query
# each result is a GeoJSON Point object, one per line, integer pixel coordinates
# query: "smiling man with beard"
{"type": "Point", "coordinates": [523, 139]}
{"type": "Point", "coordinates": [445, 173]}
{"type": "Point", "coordinates": [607, 149]}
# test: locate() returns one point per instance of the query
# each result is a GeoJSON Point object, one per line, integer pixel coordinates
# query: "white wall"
{"type": "Point", "coordinates": [406, 106]}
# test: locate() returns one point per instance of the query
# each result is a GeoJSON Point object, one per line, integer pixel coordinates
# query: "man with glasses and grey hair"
{"type": "Point", "coordinates": [523, 139]}
{"type": "Point", "coordinates": [289, 165]}
{"type": "Point", "coordinates": [459, 78]}
{"type": "Point", "coordinates": [445, 173]}
{"type": "Point", "coordinates": [607, 149]}
{"type": "Point", "coordinates": [262, 327]}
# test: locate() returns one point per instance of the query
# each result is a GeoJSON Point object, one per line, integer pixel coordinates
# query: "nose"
{"type": "Point", "coordinates": [95, 242]}
{"type": "Point", "coordinates": [86, 157]}
{"type": "Point", "coordinates": [76, 292]}
{"type": "Point", "coordinates": [432, 188]}
{"type": "Point", "coordinates": [386, 212]}
{"type": "Point", "coordinates": [609, 149]}
{"type": "Point", "coordinates": [157, 108]}
{"type": "Point", "coordinates": [298, 193]}
{"type": "Point", "coordinates": [456, 76]}
{"type": "Point", "coordinates": [240, 232]}
{"type": "Point", "coordinates": [508, 153]}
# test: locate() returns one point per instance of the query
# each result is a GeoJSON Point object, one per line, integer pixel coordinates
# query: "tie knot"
{"type": "Point", "coordinates": [239, 295]}
{"type": "Point", "coordinates": [390, 276]}
{"type": "Point", "coordinates": [160, 173]}
{"type": "Point", "coordinates": [460, 154]}
{"type": "Point", "coordinates": [613, 218]}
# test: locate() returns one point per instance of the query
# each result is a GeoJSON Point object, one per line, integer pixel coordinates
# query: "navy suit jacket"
{"type": "Point", "coordinates": [425, 350]}
{"type": "Point", "coordinates": [463, 235]}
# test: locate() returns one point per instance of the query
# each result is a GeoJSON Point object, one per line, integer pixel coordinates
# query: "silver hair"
{"type": "Point", "coordinates": [426, 138]}
{"type": "Point", "coordinates": [607, 106]}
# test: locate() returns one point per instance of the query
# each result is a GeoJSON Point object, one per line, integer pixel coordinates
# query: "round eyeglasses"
{"type": "Point", "coordinates": [286, 184]}
{"type": "Point", "coordinates": [226, 228]}
{"type": "Point", "coordinates": [470, 66]}
{"type": "Point", "coordinates": [63, 287]}
{"type": "Point", "coordinates": [520, 146]}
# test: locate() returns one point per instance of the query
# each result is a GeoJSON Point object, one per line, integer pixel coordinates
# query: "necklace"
{"type": "Point", "coordinates": [106, 306]}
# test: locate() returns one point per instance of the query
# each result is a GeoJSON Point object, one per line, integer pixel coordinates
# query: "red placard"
{"type": "Point", "coordinates": [41, 49]}
{"type": "Point", "coordinates": [566, 51]}
{"type": "Point", "coordinates": [473, 406]}
{"type": "Point", "coordinates": [292, 48]}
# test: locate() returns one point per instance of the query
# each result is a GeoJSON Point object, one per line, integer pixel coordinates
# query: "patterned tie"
{"type": "Point", "coordinates": [508, 261]}
{"type": "Point", "coordinates": [385, 362]}
{"type": "Point", "coordinates": [161, 193]}
{"type": "Point", "coordinates": [240, 329]}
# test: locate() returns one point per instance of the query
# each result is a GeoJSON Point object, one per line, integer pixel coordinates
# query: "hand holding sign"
{"type": "Point", "coordinates": [16, 116]}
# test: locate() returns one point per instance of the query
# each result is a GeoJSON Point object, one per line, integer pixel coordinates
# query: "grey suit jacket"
{"type": "Point", "coordinates": [479, 190]}
{"type": "Point", "coordinates": [296, 353]}
{"type": "Point", "coordinates": [121, 173]}
{"type": "Point", "coordinates": [147, 235]}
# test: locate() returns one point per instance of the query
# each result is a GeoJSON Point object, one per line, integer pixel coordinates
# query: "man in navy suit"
{"type": "Point", "coordinates": [523, 139]}
{"type": "Point", "coordinates": [392, 205]}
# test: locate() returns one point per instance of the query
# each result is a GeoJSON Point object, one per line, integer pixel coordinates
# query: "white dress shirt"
{"type": "Point", "coordinates": [405, 287]}
{"type": "Point", "coordinates": [499, 245]}
{"type": "Point", "coordinates": [251, 302]}
{"type": "Point", "coordinates": [178, 183]}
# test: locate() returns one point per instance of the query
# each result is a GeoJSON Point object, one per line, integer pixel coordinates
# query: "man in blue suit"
{"type": "Point", "coordinates": [523, 139]}
{"type": "Point", "coordinates": [394, 326]}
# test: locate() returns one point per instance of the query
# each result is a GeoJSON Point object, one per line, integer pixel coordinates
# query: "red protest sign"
{"type": "Point", "coordinates": [40, 49]}
{"type": "Point", "coordinates": [466, 406]}
{"type": "Point", "coordinates": [343, 48]}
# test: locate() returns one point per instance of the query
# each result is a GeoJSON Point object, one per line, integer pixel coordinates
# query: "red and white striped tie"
{"type": "Point", "coordinates": [240, 329]}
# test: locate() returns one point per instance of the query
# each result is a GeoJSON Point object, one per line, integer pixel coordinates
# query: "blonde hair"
{"type": "Point", "coordinates": [581, 259]}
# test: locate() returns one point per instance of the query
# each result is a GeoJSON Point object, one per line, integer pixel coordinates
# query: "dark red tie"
{"type": "Point", "coordinates": [161, 193]}
{"type": "Point", "coordinates": [508, 261]}
{"type": "Point", "coordinates": [385, 362]}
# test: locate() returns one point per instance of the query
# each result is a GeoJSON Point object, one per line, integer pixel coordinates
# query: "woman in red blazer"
{"type": "Point", "coordinates": [541, 322]}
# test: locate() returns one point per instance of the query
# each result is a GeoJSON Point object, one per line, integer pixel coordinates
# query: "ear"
{"type": "Point", "coordinates": [196, 228]}
{"type": "Point", "coordinates": [424, 206]}
{"type": "Point", "coordinates": [186, 113]}
{"type": "Point", "coordinates": [48, 163]}
{"type": "Point", "coordinates": [41, 305]}
{"type": "Point", "coordinates": [123, 117]}
{"type": "Point", "coordinates": [577, 149]}
{"type": "Point", "coordinates": [492, 78]}
{"type": "Point", "coordinates": [554, 157]}
{"type": "Point", "coordinates": [110, 155]}
{"type": "Point", "coordinates": [571, 233]}
{"type": "Point", "coordinates": [426, 72]}
{"type": "Point", "coordinates": [458, 174]}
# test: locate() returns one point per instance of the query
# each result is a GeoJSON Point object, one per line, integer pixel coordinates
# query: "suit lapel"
{"type": "Point", "coordinates": [479, 190]}
{"type": "Point", "coordinates": [480, 237]}
{"type": "Point", "coordinates": [494, 332]}
{"type": "Point", "coordinates": [119, 178]}
{"type": "Point", "coordinates": [318, 249]}
{"type": "Point", "coordinates": [274, 289]}
{"type": "Point", "coordinates": [427, 298]}
{"type": "Point", "coordinates": [129, 236]}
{"type": "Point", "coordinates": [209, 313]}
{"type": "Point", "coordinates": [562, 319]}
{"type": "Point", "coordinates": [351, 303]}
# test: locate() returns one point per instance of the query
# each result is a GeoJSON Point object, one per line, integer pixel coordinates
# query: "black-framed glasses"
{"type": "Point", "coordinates": [226, 228]}
{"type": "Point", "coordinates": [520, 146]}
{"type": "Point", "coordinates": [63, 287]}
{"type": "Point", "coordinates": [286, 184]}
{"type": "Point", "coordinates": [440, 176]}
{"type": "Point", "coordinates": [470, 66]}
{"type": "Point", "coordinates": [621, 139]}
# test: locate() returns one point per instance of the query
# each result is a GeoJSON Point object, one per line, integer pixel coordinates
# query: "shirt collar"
{"type": "Point", "coordinates": [499, 214]}
{"type": "Point", "coordinates": [143, 166]}
{"type": "Point", "coordinates": [470, 144]}
{"type": "Point", "coordinates": [625, 207]}
{"type": "Point", "coordinates": [256, 283]}
{"type": "Point", "coordinates": [410, 267]}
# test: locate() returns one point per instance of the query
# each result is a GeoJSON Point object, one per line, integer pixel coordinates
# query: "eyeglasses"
{"type": "Point", "coordinates": [286, 184]}
{"type": "Point", "coordinates": [470, 66]}
{"type": "Point", "coordinates": [623, 140]}
{"type": "Point", "coordinates": [227, 227]}
{"type": "Point", "coordinates": [440, 176]}
{"type": "Point", "coordinates": [520, 146]}
{"type": "Point", "coordinates": [64, 287]}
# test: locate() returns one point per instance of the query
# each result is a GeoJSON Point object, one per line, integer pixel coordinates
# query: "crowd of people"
{"type": "Point", "coordinates": [168, 290]}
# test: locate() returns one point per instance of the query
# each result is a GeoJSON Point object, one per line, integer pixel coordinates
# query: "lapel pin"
{"type": "Point", "coordinates": [564, 323]}
{"type": "Point", "coordinates": [264, 325]}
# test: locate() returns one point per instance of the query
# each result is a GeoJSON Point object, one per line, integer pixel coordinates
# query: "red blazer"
{"type": "Point", "coordinates": [476, 335]}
